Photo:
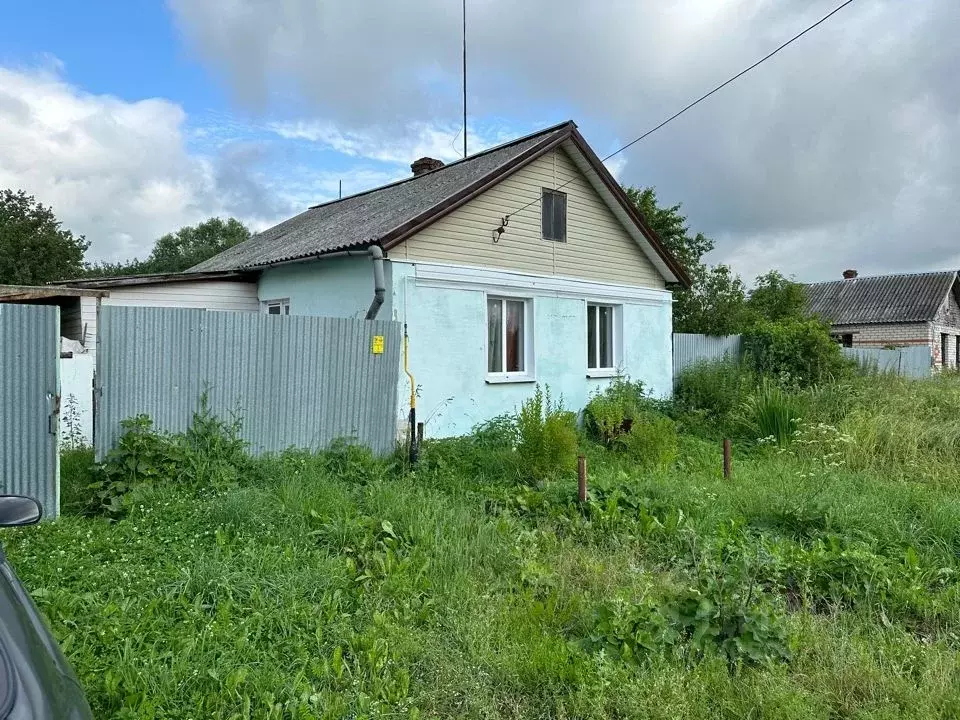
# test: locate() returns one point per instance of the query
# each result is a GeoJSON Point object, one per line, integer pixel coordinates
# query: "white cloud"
{"type": "Point", "coordinates": [114, 171]}
{"type": "Point", "coordinates": [120, 172]}
{"type": "Point", "coordinates": [395, 145]}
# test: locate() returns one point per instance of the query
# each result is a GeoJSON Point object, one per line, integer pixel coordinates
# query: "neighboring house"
{"type": "Point", "coordinates": [522, 264]}
{"type": "Point", "coordinates": [893, 311]}
{"type": "Point", "coordinates": [211, 291]}
{"type": "Point", "coordinates": [70, 300]}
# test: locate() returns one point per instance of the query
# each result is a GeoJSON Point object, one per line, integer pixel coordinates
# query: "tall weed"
{"type": "Point", "coordinates": [547, 436]}
{"type": "Point", "coordinates": [713, 389]}
{"type": "Point", "coordinates": [770, 412]}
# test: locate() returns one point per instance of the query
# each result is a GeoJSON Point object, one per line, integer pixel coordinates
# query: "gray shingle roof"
{"type": "Point", "coordinates": [366, 218]}
{"type": "Point", "coordinates": [882, 299]}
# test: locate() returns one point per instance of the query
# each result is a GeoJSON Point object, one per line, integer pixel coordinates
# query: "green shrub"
{"type": "Point", "coordinates": [770, 412]}
{"type": "Point", "coordinates": [612, 411]}
{"type": "Point", "coordinates": [651, 441]}
{"type": "Point", "coordinates": [209, 453]}
{"type": "Point", "coordinates": [799, 350]}
{"type": "Point", "coordinates": [547, 436]}
{"type": "Point", "coordinates": [712, 391]}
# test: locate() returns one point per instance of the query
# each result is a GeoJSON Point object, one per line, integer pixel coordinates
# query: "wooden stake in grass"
{"type": "Point", "coordinates": [727, 458]}
{"type": "Point", "coordinates": [582, 478]}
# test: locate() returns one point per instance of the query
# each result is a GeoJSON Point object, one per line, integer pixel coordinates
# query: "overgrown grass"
{"type": "Point", "coordinates": [822, 580]}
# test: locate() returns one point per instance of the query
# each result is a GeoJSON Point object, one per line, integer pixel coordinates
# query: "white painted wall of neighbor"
{"type": "Point", "coordinates": [208, 295]}
{"type": "Point", "coordinates": [76, 399]}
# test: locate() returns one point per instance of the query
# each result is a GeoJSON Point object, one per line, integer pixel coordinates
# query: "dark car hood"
{"type": "Point", "coordinates": [35, 680]}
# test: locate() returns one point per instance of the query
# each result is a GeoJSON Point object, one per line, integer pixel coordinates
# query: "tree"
{"type": "Point", "coordinates": [716, 302]}
{"type": "Point", "coordinates": [34, 249]}
{"type": "Point", "coordinates": [776, 298]}
{"type": "Point", "coordinates": [189, 246]}
{"type": "Point", "coordinates": [179, 251]}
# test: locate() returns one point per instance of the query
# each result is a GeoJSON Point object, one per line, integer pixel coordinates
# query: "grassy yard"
{"type": "Point", "coordinates": [820, 581]}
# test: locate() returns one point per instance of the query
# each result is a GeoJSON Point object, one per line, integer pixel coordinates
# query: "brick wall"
{"type": "Point", "coordinates": [947, 322]}
{"type": "Point", "coordinates": [879, 335]}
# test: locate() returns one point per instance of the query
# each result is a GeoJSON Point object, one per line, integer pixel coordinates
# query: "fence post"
{"type": "Point", "coordinates": [582, 478]}
{"type": "Point", "coordinates": [727, 458]}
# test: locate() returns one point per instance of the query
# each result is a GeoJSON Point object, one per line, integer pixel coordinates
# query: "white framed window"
{"type": "Point", "coordinates": [603, 339]}
{"type": "Point", "coordinates": [509, 339]}
{"type": "Point", "coordinates": [553, 215]}
{"type": "Point", "coordinates": [280, 306]}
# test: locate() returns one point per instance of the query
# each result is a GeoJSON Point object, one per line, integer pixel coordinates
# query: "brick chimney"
{"type": "Point", "coordinates": [425, 165]}
{"type": "Point", "coordinates": [849, 274]}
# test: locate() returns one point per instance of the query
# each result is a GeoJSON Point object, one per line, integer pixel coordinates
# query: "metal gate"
{"type": "Point", "coordinates": [30, 403]}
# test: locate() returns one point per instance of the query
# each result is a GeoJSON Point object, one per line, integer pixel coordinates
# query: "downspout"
{"type": "Point", "coordinates": [379, 286]}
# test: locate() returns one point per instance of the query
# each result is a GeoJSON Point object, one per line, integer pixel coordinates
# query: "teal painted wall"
{"type": "Point", "coordinates": [339, 287]}
{"type": "Point", "coordinates": [447, 328]}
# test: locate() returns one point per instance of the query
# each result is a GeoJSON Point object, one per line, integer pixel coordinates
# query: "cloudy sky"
{"type": "Point", "coordinates": [135, 118]}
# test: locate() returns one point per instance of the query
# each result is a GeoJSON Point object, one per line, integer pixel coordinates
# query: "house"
{"type": "Point", "coordinates": [893, 311]}
{"type": "Point", "coordinates": [522, 264]}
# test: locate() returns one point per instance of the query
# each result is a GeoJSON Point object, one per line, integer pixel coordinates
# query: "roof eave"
{"type": "Point", "coordinates": [682, 278]}
{"type": "Point", "coordinates": [157, 278]}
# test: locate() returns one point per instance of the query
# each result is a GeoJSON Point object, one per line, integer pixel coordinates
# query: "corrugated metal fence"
{"type": "Point", "coordinates": [914, 361]}
{"type": "Point", "coordinates": [294, 381]}
{"type": "Point", "coordinates": [689, 349]}
{"type": "Point", "coordinates": [30, 402]}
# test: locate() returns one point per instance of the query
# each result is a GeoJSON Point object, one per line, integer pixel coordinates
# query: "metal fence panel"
{"type": "Point", "coordinates": [30, 403]}
{"type": "Point", "coordinates": [293, 381]}
{"type": "Point", "coordinates": [690, 348]}
{"type": "Point", "coordinates": [913, 361]}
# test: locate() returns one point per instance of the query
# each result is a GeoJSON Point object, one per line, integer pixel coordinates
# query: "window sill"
{"type": "Point", "coordinates": [503, 379]}
{"type": "Point", "coordinates": [602, 373]}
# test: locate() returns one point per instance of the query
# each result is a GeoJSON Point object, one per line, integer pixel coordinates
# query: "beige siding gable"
{"type": "Point", "coordinates": [598, 247]}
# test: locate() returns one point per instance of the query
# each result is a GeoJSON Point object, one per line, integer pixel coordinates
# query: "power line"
{"type": "Point", "coordinates": [464, 78]}
{"type": "Point", "coordinates": [704, 96]}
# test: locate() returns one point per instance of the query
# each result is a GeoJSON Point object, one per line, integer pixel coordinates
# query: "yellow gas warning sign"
{"type": "Point", "coordinates": [376, 347]}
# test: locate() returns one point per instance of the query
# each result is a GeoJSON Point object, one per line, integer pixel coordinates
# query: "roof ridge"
{"type": "Point", "coordinates": [889, 275]}
{"type": "Point", "coordinates": [455, 163]}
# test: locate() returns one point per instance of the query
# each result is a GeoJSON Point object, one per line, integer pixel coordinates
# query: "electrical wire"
{"type": "Point", "coordinates": [701, 98]}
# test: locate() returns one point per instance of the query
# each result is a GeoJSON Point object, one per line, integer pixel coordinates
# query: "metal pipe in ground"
{"type": "Point", "coordinates": [582, 478]}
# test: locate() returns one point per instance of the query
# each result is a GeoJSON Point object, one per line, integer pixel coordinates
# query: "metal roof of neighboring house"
{"type": "Point", "coordinates": [388, 215]}
{"type": "Point", "coordinates": [26, 293]}
{"type": "Point", "coordinates": [155, 279]}
{"type": "Point", "coordinates": [881, 299]}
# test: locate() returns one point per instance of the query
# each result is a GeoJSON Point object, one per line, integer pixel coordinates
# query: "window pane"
{"type": "Point", "coordinates": [514, 336]}
{"type": "Point", "coordinates": [591, 336]}
{"type": "Point", "coordinates": [605, 321]}
{"type": "Point", "coordinates": [546, 215]}
{"type": "Point", "coordinates": [494, 336]}
{"type": "Point", "coordinates": [560, 216]}
{"type": "Point", "coordinates": [286, 308]}
{"type": "Point", "coordinates": [273, 309]}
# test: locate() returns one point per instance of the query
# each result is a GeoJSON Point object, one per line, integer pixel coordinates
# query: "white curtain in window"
{"type": "Point", "coordinates": [494, 336]}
